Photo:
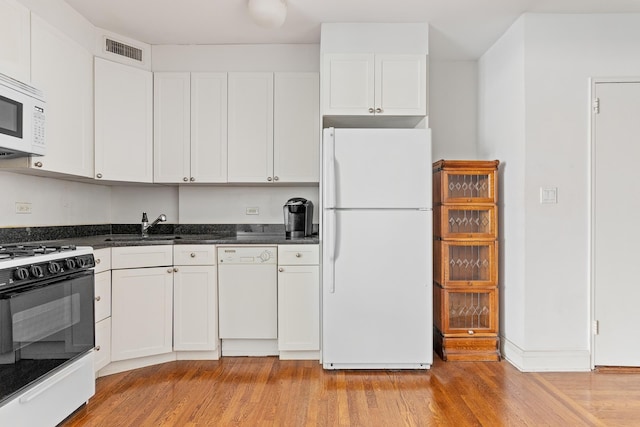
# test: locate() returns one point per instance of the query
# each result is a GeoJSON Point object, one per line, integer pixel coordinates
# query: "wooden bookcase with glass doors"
{"type": "Point", "coordinates": [465, 264]}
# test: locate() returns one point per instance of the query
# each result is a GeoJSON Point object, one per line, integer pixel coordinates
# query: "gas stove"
{"type": "Point", "coordinates": [29, 263]}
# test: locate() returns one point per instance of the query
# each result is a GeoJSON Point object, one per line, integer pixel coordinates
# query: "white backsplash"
{"type": "Point", "coordinates": [228, 205]}
{"type": "Point", "coordinates": [52, 201]}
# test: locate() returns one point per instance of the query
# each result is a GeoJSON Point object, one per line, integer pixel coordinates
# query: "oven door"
{"type": "Point", "coordinates": [42, 327]}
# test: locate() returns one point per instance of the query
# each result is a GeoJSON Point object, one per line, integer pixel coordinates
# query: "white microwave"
{"type": "Point", "coordinates": [22, 113]}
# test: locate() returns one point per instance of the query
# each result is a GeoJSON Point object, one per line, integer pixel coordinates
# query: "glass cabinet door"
{"type": "Point", "coordinates": [467, 313]}
{"type": "Point", "coordinates": [465, 222]}
{"type": "Point", "coordinates": [465, 263]}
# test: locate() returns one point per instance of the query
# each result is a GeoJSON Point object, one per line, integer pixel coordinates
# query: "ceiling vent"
{"type": "Point", "coordinates": [122, 49]}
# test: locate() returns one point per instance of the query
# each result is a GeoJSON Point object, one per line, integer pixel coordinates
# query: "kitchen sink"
{"type": "Point", "coordinates": [138, 238]}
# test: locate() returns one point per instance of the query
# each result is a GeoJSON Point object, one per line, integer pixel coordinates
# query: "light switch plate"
{"type": "Point", "coordinates": [548, 195]}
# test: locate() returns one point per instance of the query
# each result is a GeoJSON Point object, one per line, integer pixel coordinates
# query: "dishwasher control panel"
{"type": "Point", "coordinates": [247, 255]}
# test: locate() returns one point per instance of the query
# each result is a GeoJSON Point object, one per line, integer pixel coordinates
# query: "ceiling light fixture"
{"type": "Point", "coordinates": [268, 13]}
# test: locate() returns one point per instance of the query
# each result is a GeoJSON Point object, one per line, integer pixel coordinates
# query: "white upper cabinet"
{"type": "Point", "coordinates": [274, 127]}
{"type": "Point", "coordinates": [368, 84]}
{"type": "Point", "coordinates": [250, 137]}
{"type": "Point", "coordinates": [14, 40]}
{"type": "Point", "coordinates": [123, 122]}
{"type": "Point", "coordinates": [172, 127]}
{"type": "Point", "coordinates": [190, 127]}
{"type": "Point", "coordinates": [348, 84]}
{"type": "Point", "coordinates": [63, 70]}
{"type": "Point", "coordinates": [296, 128]}
{"type": "Point", "coordinates": [209, 127]}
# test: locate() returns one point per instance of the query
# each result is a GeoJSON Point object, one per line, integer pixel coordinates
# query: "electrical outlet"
{"type": "Point", "coordinates": [23, 208]}
{"type": "Point", "coordinates": [253, 211]}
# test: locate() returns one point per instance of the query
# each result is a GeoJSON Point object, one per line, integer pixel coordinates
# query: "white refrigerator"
{"type": "Point", "coordinates": [376, 249]}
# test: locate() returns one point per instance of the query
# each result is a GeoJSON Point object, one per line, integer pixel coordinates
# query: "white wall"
{"type": "Point", "coordinates": [561, 53]}
{"type": "Point", "coordinates": [128, 203]}
{"type": "Point", "coordinates": [262, 57]}
{"type": "Point", "coordinates": [53, 201]}
{"type": "Point", "coordinates": [453, 88]}
{"type": "Point", "coordinates": [227, 205]}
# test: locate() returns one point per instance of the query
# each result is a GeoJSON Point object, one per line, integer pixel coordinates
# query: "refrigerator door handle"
{"type": "Point", "coordinates": [332, 236]}
{"type": "Point", "coordinates": [330, 168]}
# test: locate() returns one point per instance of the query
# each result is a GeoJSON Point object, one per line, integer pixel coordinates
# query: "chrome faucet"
{"type": "Point", "coordinates": [145, 223]}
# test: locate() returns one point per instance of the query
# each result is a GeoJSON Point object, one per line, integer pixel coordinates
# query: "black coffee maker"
{"type": "Point", "coordinates": [298, 217]}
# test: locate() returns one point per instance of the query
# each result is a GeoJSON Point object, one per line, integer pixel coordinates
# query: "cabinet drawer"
{"type": "Point", "coordinates": [102, 352]}
{"type": "Point", "coordinates": [141, 256]}
{"type": "Point", "coordinates": [465, 263]}
{"type": "Point", "coordinates": [486, 349]}
{"type": "Point", "coordinates": [298, 254]}
{"type": "Point", "coordinates": [103, 259]}
{"type": "Point", "coordinates": [465, 313]}
{"type": "Point", "coordinates": [465, 222]}
{"type": "Point", "coordinates": [102, 295]}
{"type": "Point", "coordinates": [194, 255]}
{"type": "Point", "coordinates": [453, 183]}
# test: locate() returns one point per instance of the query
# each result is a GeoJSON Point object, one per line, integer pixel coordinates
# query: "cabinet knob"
{"type": "Point", "coordinates": [169, 270]}
{"type": "Point", "coordinates": [298, 254]}
{"type": "Point", "coordinates": [98, 175]}
{"type": "Point", "coordinates": [269, 179]}
{"type": "Point", "coordinates": [38, 164]}
{"type": "Point", "coordinates": [275, 178]}
{"type": "Point", "coordinates": [97, 260]}
{"type": "Point", "coordinates": [97, 348]}
{"type": "Point", "coordinates": [193, 255]}
{"type": "Point", "coordinates": [192, 179]}
{"type": "Point", "coordinates": [378, 110]}
{"type": "Point", "coordinates": [281, 269]}
{"type": "Point", "coordinates": [185, 179]}
{"type": "Point", "coordinates": [371, 110]}
{"type": "Point", "coordinates": [175, 269]}
{"type": "Point", "coordinates": [470, 332]}
{"type": "Point", "coordinates": [98, 298]}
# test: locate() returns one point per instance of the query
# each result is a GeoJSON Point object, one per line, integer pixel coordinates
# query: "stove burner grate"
{"type": "Point", "coordinates": [23, 251]}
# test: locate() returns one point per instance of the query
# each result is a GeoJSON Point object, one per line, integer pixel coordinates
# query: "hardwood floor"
{"type": "Point", "coordinates": [243, 391]}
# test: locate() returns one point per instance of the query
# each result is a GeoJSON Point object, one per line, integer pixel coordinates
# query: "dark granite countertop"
{"type": "Point", "coordinates": [118, 240]}
{"type": "Point", "coordinates": [116, 235]}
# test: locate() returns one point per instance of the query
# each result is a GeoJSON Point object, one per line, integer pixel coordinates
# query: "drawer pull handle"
{"type": "Point", "coordinates": [470, 332]}
{"type": "Point", "coordinates": [298, 255]}
{"type": "Point", "coordinates": [169, 270]}
{"type": "Point", "coordinates": [281, 269]}
{"type": "Point", "coordinates": [98, 298]}
{"type": "Point", "coordinates": [193, 255]}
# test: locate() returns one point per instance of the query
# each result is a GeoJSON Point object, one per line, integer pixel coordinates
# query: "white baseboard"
{"type": "Point", "coordinates": [545, 361]}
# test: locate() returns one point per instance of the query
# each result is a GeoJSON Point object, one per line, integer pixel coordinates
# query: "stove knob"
{"type": "Point", "coordinates": [82, 262]}
{"type": "Point", "coordinates": [70, 263]}
{"type": "Point", "coordinates": [36, 271]}
{"type": "Point", "coordinates": [20, 273]}
{"type": "Point", "coordinates": [54, 267]}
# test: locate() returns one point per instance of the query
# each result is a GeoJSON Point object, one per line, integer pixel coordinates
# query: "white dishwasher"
{"type": "Point", "coordinates": [248, 300]}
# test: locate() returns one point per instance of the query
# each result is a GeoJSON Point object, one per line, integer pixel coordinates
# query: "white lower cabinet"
{"type": "Point", "coordinates": [298, 301]}
{"type": "Point", "coordinates": [142, 312]}
{"type": "Point", "coordinates": [161, 311]}
{"type": "Point", "coordinates": [195, 298]}
{"type": "Point", "coordinates": [102, 307]}
{"type": "Point", "coordinates": [102, 352]}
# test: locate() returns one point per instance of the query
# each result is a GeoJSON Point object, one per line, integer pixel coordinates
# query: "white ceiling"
{"type": "Point", "coordinates": [460, 29]}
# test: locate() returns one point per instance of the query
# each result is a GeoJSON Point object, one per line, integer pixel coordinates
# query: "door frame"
{"type": "Point", "coordinates": [593, 81]}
